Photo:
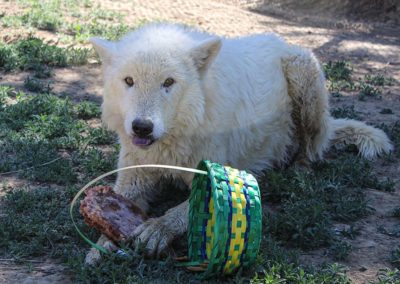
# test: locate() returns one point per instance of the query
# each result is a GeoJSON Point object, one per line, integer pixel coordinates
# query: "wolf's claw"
{"type": "Point", "coordinates": [154, 235]}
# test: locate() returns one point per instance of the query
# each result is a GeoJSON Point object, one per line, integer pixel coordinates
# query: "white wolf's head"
{"type": "Point", "coordinates": [152, 81]}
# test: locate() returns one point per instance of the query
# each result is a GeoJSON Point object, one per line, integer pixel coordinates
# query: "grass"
{"type": "Point", "coordinates": [388, 276]}
{"type": "Point", "coordinates": [395, 257]}
{"type": "Point", "coordinates": [5, 91]}
{"type": "Point", "coordinates": [310, 201]}
{"type": "Point", "coordinates": [37, 86]}
{"type": "Point", "coordinates": [38, 12]}
{"type": "Point", "coordinates": [39, 225]}
{"type": "Point", "coordinates": [74, 21]}
{"type": "Point", "coordinates": [392, 232]}
{"type": "Point", "coordinates": [277, 265]}
{"type": "Point", "coordinates": [83, 31]}
{"type": "Point", "coordinates": [38, 129]}
{"type": "Point", "coordinates": [337, 71]}
{"type": "Point", "coordinates": [339, 78]}
{"type": "Point", "coordinates": [338, 74]}
{"type": "Point", "coordinates": [86, 110]}
{"type": "Point", "coordinates": [371, 86]}
{"type": "Point", "coordinates": [396, 212]}
{"type": "Point", "coordinates": [43, 227]}
{"type": "Point", "coordinates": [345, 112]}
{"type": "Point", "coordinates": [386, 111]}
{"type": "Point", "coordinates": [378, 80]}
{"type": "Point", "coordinates": [32, 54]}
{"type": "Point", "coordinates": [340, 250]}
{"type": "Point", "coordinates": [367, 90]}
{"type": "Point", "coordinates": [105, 14]}
{"type": "Point", "coordinates": [351, 233]}
{"type": "Point", "coordinates": [43, 15]}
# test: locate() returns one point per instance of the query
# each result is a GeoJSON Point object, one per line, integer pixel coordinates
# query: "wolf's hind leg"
{"type": "Point", "coordinates": [310, 102]}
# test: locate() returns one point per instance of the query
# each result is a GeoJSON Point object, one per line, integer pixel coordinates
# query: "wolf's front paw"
{"type": "Point", "coordinates": [155, 235]}
{"type": "Point", "coordinates": [93, 257]}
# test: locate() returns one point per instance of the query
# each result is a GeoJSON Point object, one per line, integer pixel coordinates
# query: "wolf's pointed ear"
{"type": "Point", "coordinates": [105, 48]}
{"type": "Point", "coordinates": [204, 53]}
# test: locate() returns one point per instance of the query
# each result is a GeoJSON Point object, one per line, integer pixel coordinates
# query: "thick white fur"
{"type": "Point", "coordinates": [251, 102]}
{"type": "Point", "coordinates": [370, 141]}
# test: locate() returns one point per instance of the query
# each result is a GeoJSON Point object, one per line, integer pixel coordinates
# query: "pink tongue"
{"type": "Point", "coordinates": [141, 141]}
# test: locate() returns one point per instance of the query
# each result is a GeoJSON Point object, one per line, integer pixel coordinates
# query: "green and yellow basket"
{"type": "Point", "coordinates": [225, 220]}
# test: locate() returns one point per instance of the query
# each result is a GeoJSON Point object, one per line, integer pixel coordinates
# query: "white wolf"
{"type": "Point", "coordinates": [176, 96]}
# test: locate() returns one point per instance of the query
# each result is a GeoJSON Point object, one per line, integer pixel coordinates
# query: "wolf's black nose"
{"type": "Point", "coordinates": [142, 127]}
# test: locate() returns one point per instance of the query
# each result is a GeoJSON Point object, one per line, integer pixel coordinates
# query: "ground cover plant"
{"type": "Point", "coordinates": [37, 129]}
{"type": "Point", "coordinates": [32, 54]}
{"type": "Point", "coordinates": [40, 128]}
{"type": "Point", "coordinates": [53, 144]}
{"type": "Point", "coordinates": [73, 21]}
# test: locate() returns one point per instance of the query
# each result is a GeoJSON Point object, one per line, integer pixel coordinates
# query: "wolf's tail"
{"type": "Point", "coordinates": [370, 141]}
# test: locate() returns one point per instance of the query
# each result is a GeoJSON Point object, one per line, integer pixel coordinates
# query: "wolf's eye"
{"type": "Point", "coordinates": [168, 82]}
{"type": "Point", "coordinates": [129, 81]}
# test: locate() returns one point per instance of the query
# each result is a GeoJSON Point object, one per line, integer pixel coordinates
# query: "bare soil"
{"type": "Point", "coordinates": [372, 46]}
{"type": "Point", "coordinates": [37, 271]}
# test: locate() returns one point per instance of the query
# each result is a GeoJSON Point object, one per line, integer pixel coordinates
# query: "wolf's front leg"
{"type": "Point", "coordinates": [137, 185]}
{"type": "Point", "coordinates": [157, 233]}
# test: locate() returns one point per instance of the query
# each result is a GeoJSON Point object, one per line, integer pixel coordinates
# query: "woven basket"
{"type": "Point", "coordinates": [224, 220]}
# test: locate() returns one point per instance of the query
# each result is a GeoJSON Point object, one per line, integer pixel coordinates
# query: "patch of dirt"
{"type": "Point", "coordinates": [386, 11]}
{"type": "Point", "coordinates": [371, 47]}
{"type": "Point", "coordinates": [36, 271]}
{"type": "Point", "coordinates": [371, 248]}
{"type": "Point", "coordinates": [11, 181]}
{"type": "Point", "coordinates": [78, 82]}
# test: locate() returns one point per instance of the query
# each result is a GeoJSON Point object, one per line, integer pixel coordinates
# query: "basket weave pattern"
{"type": "Point", "coordinates": [224, 219]}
